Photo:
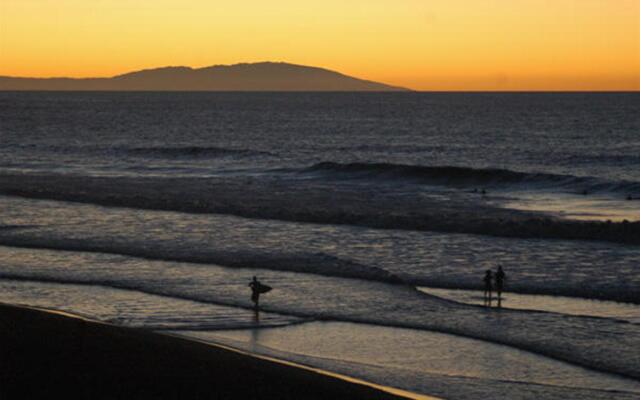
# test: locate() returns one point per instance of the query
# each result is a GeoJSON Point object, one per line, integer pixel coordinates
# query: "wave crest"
{"type": "Point", "coordinates": [288, 200]}
{"type": "Point", "coordinates": [466, 176]}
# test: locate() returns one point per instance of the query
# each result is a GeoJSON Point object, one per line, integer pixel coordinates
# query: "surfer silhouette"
{"type": "Point", "coordinates": [488, 287]}
{"type": "Point", "coordinates": [500, 278]}
{"type": "Point", "coordinates": [257, 289]}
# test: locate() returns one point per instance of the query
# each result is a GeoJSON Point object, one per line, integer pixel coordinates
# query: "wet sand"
{"type": "Point", "coordinates": [45, 354]}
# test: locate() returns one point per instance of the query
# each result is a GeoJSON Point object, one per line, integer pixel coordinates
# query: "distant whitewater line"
{"type": "Point", "coordinates": [288, 201]}
{"type": "Point", "coordinates": [262, 76]}
{"type": "Point", "coordinates": [454, 175]}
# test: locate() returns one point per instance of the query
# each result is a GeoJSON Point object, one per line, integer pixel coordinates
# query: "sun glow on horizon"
{"type": "Point", "coordinates": [424, 45]}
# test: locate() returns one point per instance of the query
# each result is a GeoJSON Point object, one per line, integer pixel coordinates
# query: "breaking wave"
{"type": "Point", "coordinates": [465, 176]}
{"type": "Point", "coordinates": [288, 200]}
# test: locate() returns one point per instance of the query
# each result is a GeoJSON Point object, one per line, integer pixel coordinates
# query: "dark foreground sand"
{"type": "Point", "coordinates": [45, 354]}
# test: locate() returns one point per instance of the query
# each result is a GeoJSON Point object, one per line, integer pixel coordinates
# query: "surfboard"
{"type": "Point", "coordinates": [264, 288]}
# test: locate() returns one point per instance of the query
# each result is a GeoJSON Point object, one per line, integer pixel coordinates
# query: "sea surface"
{"type": "Point", "coordinates": [372, 215]}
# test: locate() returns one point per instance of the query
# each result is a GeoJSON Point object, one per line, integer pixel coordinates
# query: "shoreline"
{"type": "Point", "coordinates": [47, 352]}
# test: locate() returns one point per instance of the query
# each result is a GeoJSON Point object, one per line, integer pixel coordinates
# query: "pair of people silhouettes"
{"type": "Point", "coordinates": [492, 281]}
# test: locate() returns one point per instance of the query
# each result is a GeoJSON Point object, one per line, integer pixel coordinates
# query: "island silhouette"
{"type": "Point", "coordinates": [262, 76]}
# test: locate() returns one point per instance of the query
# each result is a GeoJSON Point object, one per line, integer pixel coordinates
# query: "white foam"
{"type": "Point", "coordinates": [556, 304]}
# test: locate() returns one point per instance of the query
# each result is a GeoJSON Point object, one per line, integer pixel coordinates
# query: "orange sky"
{"type": "Point", "coordinates": [422, 44]}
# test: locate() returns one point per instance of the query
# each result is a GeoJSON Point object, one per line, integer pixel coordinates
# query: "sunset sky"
{"type": "Point", "coordinates": [422, 44]}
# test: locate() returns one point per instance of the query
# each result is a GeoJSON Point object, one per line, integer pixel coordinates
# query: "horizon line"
{"type": "Point", "coordinates": [468, 91]}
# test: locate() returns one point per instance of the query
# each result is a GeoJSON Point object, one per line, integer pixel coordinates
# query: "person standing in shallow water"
{"type": "Point", "coordinates": [257, 288]}
{"type": "Point", "coordinates": [255, 292]}
{"type": "Point", "coordinates": [500, 278]}
{"type": "Point", "coordinates": [488, 287]}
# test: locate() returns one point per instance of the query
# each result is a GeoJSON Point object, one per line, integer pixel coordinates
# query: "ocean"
{"type": "Point", "coordinates": [372, 215]}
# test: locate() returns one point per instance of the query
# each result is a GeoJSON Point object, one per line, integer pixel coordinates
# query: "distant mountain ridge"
{"type": "Point", "coordinates": [262, 76]}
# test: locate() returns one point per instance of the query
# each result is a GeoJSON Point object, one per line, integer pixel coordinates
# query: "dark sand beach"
{"type": "Point", "coordinates": [45, 354]}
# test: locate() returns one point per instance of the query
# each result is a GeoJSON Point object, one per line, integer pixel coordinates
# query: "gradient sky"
{"type": "Point", "coordinates": [422, 44]}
